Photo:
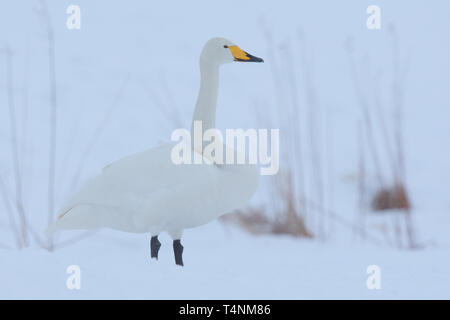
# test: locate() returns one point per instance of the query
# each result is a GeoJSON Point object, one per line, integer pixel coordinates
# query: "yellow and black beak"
{"type": "Point", "coordinates": [242, 56]}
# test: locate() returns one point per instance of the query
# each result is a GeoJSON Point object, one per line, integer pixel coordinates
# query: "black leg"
{"type": "Point", "coordinates": [154, 247]}
{"type": "Point", "coordinates": [178, 251]}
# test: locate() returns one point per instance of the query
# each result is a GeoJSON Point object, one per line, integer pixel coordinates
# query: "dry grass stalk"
{"type": "Point", "coordinates": [287, 191]}
{"type": "Point", "coordinates": [10, 214]}
{"type": "Point", "coordinates": [19, 225]}
{"type": "Point", "coordinates": [315, 129]}
{"type": "Point", "coordinates": [22, 230]}
{"type": "Point", "coordinates": [391, 195]}
{"type": "Point", "coordinates": [361, 185]}
{"type": "Point", "coordinates": [78, 172]}
{"type": "Point", "coordinates": [45, 16]}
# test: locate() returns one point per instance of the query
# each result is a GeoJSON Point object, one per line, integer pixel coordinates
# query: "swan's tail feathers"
{"type": "Point", "coordinates": [91, 216]}
{"type": "Point", "coordinates": [78, 217]}
{"type": "Point", "coordinates": [56, 226]}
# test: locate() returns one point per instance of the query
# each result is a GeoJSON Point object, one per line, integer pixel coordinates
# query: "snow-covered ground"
{"type": "Point", "coordinates": [221, 263]}
{"type": "Point", "coordinates": [130, 61]}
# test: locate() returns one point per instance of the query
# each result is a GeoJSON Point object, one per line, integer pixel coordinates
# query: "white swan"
{"type": "Point", "coordinates": [147, 192]}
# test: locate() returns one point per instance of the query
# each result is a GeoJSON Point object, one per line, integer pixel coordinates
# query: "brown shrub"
{"type": "Point", "coordinates": [388, 198]}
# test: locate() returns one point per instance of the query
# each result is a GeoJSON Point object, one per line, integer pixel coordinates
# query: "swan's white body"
{"type": "Point", "coordinates": [146, 192]}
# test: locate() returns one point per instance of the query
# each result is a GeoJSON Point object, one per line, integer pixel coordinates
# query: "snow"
{"type": "Point", "coordinates": [223, 264]}
{"type": "Point", "coordinates": [128, 63]}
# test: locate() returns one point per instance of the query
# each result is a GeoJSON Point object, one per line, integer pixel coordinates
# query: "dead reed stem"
{"type": "Point", "coordinates": [361, 184]}
{"type": "Point", "coordinates": [393, 195]}
{"type": "Point", "coordinates": [363, 103]}
{"type": "Point", "coordinates": [399, 78]}
{"type": "Point", "coordinates": [344, 222]}
{"type": "Point", "coordinates": [9, 212]}
{"type": "Point", "coordinates": [314, 129]}
{"type": "Point", "coordinates": [45, 16]}
{"type": "Point", "coordinates": [22, 230]}
{"type": "Point", "coordinates": [97, 134]}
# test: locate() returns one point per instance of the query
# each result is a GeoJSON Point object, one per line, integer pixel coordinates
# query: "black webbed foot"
{"type": "Point", "coordinates": [154, 247]}
{"type": "Point", "coordinates": [178, 252]}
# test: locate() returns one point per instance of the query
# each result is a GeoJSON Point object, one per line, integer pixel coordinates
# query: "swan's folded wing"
{"type": "Point", "coordinates": [128, 181]}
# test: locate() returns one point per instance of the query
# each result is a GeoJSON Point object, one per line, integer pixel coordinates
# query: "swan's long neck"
{"type": "Point", "coordinates": [205, 109]}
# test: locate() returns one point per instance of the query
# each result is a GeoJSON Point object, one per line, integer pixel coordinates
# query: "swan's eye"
{"type": "Point", "coordinates": [225, 46]}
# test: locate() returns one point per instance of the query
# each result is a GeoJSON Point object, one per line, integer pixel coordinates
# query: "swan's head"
{"type": "Point", "coordinates": [219, 51]}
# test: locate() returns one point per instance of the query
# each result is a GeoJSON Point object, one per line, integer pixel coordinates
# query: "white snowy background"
{"type": "Point", "coordinates": [130, 76]}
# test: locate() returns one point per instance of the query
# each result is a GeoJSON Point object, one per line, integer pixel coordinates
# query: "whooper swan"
{"type": "Point", "coordinates": [147, 192]}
